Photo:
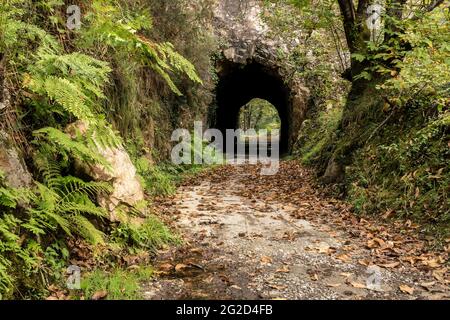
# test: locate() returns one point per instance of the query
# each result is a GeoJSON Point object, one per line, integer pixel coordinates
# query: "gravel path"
{"type": "Point", "coordinates": [237, 247]}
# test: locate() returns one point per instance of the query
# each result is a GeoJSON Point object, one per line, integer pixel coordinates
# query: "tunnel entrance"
{"type": "Point", "coordinates": [259, 115]}
{"type": "Point", "coordinates": [239, 84]}
{"type": "Point", "coordinates": [260, 125]}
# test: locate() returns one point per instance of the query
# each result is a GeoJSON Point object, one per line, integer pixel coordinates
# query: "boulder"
{"type": "Point", "coordinates": [12, 163]}
{"type": "Point", "coordinates": [127, 190]}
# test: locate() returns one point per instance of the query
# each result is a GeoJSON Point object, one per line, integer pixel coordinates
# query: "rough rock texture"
{"type": "Point", "coordinates": [245, 36]}
{"type": "Point", "coordinates": [12, 164]}
{"type": "Point", "coordinates": [334, 173]}
{"type": "Point", "coordinates": [11, 159]}
{"type": "Point", "coordinates": [127, 189]}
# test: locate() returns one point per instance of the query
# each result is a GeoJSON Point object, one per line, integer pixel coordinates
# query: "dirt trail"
{"type": "Point", "coordinates": [252, 237]}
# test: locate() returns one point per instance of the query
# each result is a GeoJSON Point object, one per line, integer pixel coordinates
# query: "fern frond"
{"type": "Point", "coordinates": [86, 229]}
{"type": "Point", "coordinates": [70, 96]}
{"type": "Point", "coordinates": [108, 25]}
{"type": "Point", "coordinates": [178, 62]}
{"type": "Point", "coordinates": [71, 187]}
{"type": "Point", "coordinates": [78, 149]}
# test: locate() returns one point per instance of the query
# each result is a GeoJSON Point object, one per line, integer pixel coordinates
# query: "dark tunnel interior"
{"type": "Point", "coordinates": [239, 84]}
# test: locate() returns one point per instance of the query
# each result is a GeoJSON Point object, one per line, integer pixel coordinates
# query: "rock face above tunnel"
{"type": "Point", "coordinates": [243, 33]}
{"type": "Point", "coordinates": [246, 40]}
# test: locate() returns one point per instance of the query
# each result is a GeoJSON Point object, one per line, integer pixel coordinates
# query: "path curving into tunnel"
{"type": "Point", "coordinates": [239, 84]}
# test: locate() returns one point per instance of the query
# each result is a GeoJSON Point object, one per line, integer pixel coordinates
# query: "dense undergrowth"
{"type": "Point", "coordinates": [96, 75]}
{"type": "Point", "coordinates": [393, 137]}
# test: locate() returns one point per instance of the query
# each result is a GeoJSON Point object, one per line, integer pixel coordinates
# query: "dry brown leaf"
{"type": "Point", "coordinates": [428, 285]}
{"type": "Point", "coordinates": [284, 269]}
{"type": "Point", "coordinates": [99, 295]}
{"type": "Point", "coordinates": [266, 260]}
{"type": "Point", "coordinates": [358, 285]}
{"type": "Point", "coordinates": [333, 285]}
{"type": "Point", "coordinates": [180, 267]}
{"type": "Point", "coordinates": [375, 243]}
{"type": "Point", "coordinates": [314, 277]}
{"type": "Point", "coordinates": [363, 262]}
{"type": "Point", "coordinates": [390, 265]}
{"type": "Point", "coordinates": [439, 275]}
{"type": "Point", "coordinates": [343, 258]}
{"type": "Point", "coordinates": [406, 289]}
{"type": "Point", "coordinates": [165, 267]}
{"type": "Point", "coordinates": [432, 263]}
{"type": "Point", "coordinates": [277, 287]}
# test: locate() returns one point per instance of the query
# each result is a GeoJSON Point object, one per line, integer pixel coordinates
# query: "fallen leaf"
{"type": "Point", "coordinates": [358, 285]}
{"type": "Point", "coordinates": [180, 267]}
{"type": "Point", "coordinates": [99, 295]}
{"type": "Point", "coordinates": [333, 285]}
{"type": "Point", "coordinates": [363, 262]}
{"type": "Point", "coordinates": [165, 267]}
{"type": "Point", "coordinates": [277, 287]}
{"type": "Point", "coordinates": [343, 258]}
{"type": "Point", "coordinates": [406, 289]}
{"type": "Point", "coordinates": [284, 269]}
{"type": "Point", "coordinates": [428, 285]}
{"type": "Point", "coordinates": [390, 265]}
{"type": "Point", "coordinates": [314, 277]}
{"type": "Point", "coordinates": [432, 263]}
{"type": "Point", "coordinates": [439, 275]}
{"type": "Point", "coordinates": [375, 243]}
{"type": "Point", "coordinates": [266, 260]}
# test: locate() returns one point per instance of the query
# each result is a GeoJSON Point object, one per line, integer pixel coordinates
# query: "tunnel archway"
{"type": "Point", "coordinates": [239, 84]}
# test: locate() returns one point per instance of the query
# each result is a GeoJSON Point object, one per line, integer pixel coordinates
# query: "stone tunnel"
{"type": "Point", "coordinates": [249, 68]}
{"type": "Point", "coordinates": [239, 84]}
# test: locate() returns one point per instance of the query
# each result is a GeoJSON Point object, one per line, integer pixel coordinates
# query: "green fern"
{"type": "Point", "coordinates": [83, 150]}
{"type": "Point", "coordinates": [73, 81]}
{"type": "Point", "coordinates": [109, 26]}
{"type": "Point", "coordinates": [16, 32]}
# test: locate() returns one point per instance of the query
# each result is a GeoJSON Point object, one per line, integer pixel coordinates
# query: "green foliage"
{"type": "Point", "coordinates": [107, 25]}
{"type": "Point", "coordinates": [259, 114]}
{"type": "Point", "coordinates": [59, 204]}
{"type": "Point", "coordinates": [16, 30]}
{"type": "Point", "coordinates": [119, 284]}
{"type": "Point", "coordinates": [156, 180]}
{"type": "Point", "coordinates": [320, 55]}
{"type": "Point", "coordinates": [422, 72]}
{"type": "Point", "coordinates": [72, 83]}
{"type": "Point", "coordinates": [406, 173]}
{"type": "Point", "coordinates": [414, 60]}
{"type": "Point", "coordinates": [68, 77]}
{"type": "Point", "coordinates": [67, 146]}
{"type": "Point", "coordinates": [318, 133]}
{"type": "Point", "coordinates": [151, 234]}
